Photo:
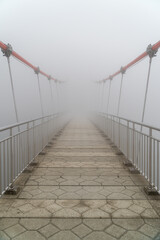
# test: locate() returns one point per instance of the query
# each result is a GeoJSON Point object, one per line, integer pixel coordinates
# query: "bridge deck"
{"type": "Point", "coordinates": [80, 190]}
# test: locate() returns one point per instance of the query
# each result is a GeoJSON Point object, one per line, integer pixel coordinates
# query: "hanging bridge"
{"type": "Point", "coordinates": [78, 178]}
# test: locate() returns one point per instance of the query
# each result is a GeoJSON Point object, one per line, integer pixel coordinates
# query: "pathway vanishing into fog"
{"type": "Point", "coordinates": [80, 189]}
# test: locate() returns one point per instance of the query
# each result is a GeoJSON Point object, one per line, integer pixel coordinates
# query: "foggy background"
{"type": "Point", "coordinates": [79, 42]}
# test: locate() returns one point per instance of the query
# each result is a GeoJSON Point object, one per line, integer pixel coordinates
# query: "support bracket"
{"type": "Point", "coordinates": [150, 190]}
{"type": "Point", "coordinates": [12, 190]}
{"type": "Point", "coordinates": [110, 77]}
{"type": "Point", "coordinates": [134, 170]}
{"type": "Point", "coordinates": [8, 51]}
{"type": "Point", "coordinates": [151, 53]}
{"type": "Point", "coordinates": [122, 70]}
{"type": "Point", "coordinates": [49, 77]}
{"type": "Point", "coordinates": [37, 70]}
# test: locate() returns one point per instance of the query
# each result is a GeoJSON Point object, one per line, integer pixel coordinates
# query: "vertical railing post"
{"type": "Point", "coordinates": [150, 156]}
{"type": "Point", "coordinates": [28, 149]}
{"type": "Point", "coordinates": [109, 91]}
{"type": "Point", "coordinates": [119, 134]}
{"type": "Point", "coordinates": [158, 173]}
{"type": "Point", "coordinates": [11, 156]}
{"type": "Point", "coordinates": [128, 140]}
{"type": "Point", "coordinates": [34, 142]}
{"type": "Point", "coordinates": [133, 143]}
{"type": "Point", "coordinates": [1, 175]}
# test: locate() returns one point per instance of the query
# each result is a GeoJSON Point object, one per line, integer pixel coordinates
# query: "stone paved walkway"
{"type": "Point", "coordinates": [80, 189]}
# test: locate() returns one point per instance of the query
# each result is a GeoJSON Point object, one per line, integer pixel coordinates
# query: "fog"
{"type": "Point", "coordinates": [79, 42]}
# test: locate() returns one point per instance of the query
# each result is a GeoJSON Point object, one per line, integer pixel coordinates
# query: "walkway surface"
{"type": "Point", "coordinates": [80, 189]}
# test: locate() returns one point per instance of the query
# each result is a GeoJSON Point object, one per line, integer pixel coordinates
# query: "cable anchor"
{"type": "Point", "coordinates": [8, 51]}
{"type": "Point", "coordinates": [110, 77]}
{"type": "Point", "coordinates": [49, 77]}
{"type": "Point", "coordinates": [122, 70]}
{"type": "Point", "coordinates": [37, 70]}
{"type": "Point", "coordinates": [151, 53]}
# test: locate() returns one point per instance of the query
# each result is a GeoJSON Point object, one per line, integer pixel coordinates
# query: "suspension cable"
{"type": "Point", "coordinates": [6, 48]}
{"type": "Point", "coordinates": [154, 48]}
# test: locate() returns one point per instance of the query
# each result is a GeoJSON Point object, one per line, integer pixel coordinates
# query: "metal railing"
{"type": "Point", "coordinates": [140, 143]}
{"type": "Point", "coordinates": [21, 143]}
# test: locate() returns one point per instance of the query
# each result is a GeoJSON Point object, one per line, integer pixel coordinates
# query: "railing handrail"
{"type": "Point", "coordinates": [25, 122]}
{"type": "Point", "coordinates": [132, 121]}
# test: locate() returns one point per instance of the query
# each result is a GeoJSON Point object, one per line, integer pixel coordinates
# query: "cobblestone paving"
{"type": "Point", "coordinates": [80, 189]}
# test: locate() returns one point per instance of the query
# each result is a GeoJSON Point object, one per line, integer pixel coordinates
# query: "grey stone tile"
{"type": "Point", "coordinates": [67, 235]}
{"type": "Point", "coordinates": [81, 230]}
{"type": "Point", "coordinates": [48, 230]}
{"type": "Point", "coordinates": [14, 230]}
{"type": "Point", "coordinates": [66, 225]}
{"type": "Point", "coordinates": [134, 235]}
{"type": "Point", "coordinates": [30, 235]}
{"type": "Point", "coordinates": [99, 235]}
{"type": "Point", "coordinates": [33, 224]}
{"type": "Point", "coordinates": [97, 224]}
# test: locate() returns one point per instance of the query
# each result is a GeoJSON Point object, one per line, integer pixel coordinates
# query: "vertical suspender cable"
{"type": "Point", "coordinates": [102, 95]}
{"type": "Point", "coordinates": [109, 92]}
{"type": "Point", "coordinates": [151, 53]}
{"type": "Point", "coordinates": [120, 90]}
{"type": "Point", "coordinates": [13, 92]}
{"type": "Point", "coordinates": [57, 113]}
{"type": "Point", "coordinates": [99, 96]}
{"type": "Point", "coordinates": [52, 101]}
{"type": "Point", "coordinates": [7, 52]}
{"type": "Point", "coordinates": [57, 97]}
{"type": "Point", "coordinates": [40, 96]}
{"type": "Point", "coordinates": [146, 91]}
{"type": "Point", "coordinates": [41, 106]}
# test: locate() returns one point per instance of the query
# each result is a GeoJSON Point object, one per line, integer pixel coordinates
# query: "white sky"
{"type": "Point", "coordinates": [75, 39]}
{"type": "Point", "coordinates": [79, 41]}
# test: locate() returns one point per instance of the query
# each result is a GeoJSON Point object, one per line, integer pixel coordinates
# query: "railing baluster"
{"type": "Point", "coordinates": [150, 156]}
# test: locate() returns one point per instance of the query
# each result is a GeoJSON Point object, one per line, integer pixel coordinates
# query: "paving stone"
{"type": "Point", "coordinates": [134, 236]}
{"type": "Point", "coordinates": [120, 203]}
{"type": "Point", "coordinates": [33, 224]}
{"type": "Point", "coordinates": [81, 230]}
{"type": "Point", "coordinates": [153, 222]}
{"type": "Point", "coordinates": [68, 203]}
{"type": "Point", "coordinates": [3, 236]}
{"type": "Point", "coordinates": [99, 235]}
{"type": "Point", "coordinates": [95, 213]}
{"type": "Point", "coordinates": [49, 230]}
{"type": "Point", "coordinates": [157, 237]}
{"type": "Point", "coordinates": [149, 230]}
{"type": "Point", "coordinates": [115, 231]}
{"type": "Point", "coordinates": [149, 213]}
{"type": "Point", "coordinates": [66, 213]}
{"type": "Point", "coordinates": [124, 213]}
{"type": "Point", "coordinates": [7, 222]}
{"type": "Point", "coordinates": [30, 235]}
{"type": "Point", "coordinates": [67, 235]}
{"type": "Point", "coordinates": [94, 203]}
{"type": "Point", "coordinates": [97, 224]}
{"type": "Point", "coordinates": [136, 208]}
{"type": "Point", "coordinates": [129, 224]}
{"type": "Point", "coordinates": [66, 225]}
{"type": "Point", "coordinates": [14, 230]}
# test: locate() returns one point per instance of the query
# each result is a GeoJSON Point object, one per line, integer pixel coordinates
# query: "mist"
{"type": "Point", "coordinates": [79, 42]}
